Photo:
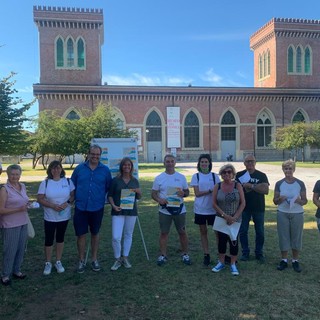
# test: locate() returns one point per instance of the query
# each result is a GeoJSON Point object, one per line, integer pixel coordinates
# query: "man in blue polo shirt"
{"type": "Point", "coordinates": [92, 181]}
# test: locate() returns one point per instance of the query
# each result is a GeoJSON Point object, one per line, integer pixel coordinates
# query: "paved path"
{"type": "Point", "coordinates": [274, 172]}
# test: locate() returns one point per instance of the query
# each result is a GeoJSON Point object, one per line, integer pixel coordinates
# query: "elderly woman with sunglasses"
{"type": "Point", "coordinates": [229, 202]}
{"type": "Point", "coordinates": [290, 196]}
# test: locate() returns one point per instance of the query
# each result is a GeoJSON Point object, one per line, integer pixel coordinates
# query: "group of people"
{"type": "Point", "coordinates": [235, 200]}
{"type": "Point", "coordinates": [87, 188]}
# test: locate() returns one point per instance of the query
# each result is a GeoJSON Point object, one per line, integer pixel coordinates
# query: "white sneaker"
{"type": "Point", "coordinates": [117, 264]}
{"type": "Point", "coordinates": [234, 270]}
{"type": "Point", "coordinates": [59, 267]}
{"type": "Point", "coordinates": [220, 266]}
{"type": "Point", "coordinates": [126, 263]}
{"type": "Point", "coordinates": [47, 269]}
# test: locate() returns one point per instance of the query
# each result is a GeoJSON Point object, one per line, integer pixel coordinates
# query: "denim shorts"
{"type": "Point", "coordinates": [84, 219]}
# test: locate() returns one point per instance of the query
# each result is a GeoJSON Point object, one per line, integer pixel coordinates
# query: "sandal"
{"type": "Point", "coordinates": [6, 281]}
{"type": "Point", "coordinates": [19, 276]}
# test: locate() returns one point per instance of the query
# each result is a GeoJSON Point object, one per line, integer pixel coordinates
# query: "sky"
{"type": "Point", "coordinates": [154, 42]}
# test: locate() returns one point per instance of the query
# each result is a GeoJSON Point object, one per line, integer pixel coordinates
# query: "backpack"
{"type": "Point", "coordinates": [213, 177]}
{"type": "Point", "coordinates": [68, 179]}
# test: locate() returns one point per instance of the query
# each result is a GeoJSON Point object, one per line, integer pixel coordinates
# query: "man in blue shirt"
{"type": "Point", "coordinates": [92, 181]}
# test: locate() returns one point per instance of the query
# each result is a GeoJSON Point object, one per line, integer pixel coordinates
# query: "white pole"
{"type": "Point", "coordinates": [142, 238]}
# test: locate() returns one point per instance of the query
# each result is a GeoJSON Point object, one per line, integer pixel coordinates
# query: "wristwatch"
{"type": "Point", "coordinates": [222, 215]}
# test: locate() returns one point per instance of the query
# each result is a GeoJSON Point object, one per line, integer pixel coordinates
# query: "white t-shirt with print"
{"type": "Point", "coordinates": [57, 192]}
{"type": "Point", "coordinates": [163, 181]}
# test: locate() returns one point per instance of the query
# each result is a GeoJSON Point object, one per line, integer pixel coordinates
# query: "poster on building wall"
{"type": "Point", "coordinates": [173, 127]}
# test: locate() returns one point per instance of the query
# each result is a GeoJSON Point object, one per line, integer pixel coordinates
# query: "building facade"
{"type": "Point", "coordinates": [185, 120]}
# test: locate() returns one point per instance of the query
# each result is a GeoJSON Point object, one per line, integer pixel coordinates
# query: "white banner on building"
{"type": "Point", "coordinates": [173, 127]}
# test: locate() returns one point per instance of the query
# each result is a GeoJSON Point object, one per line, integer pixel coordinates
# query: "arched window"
{"type": "Point", "coordinates": [80, 51]}
{"type": "Point", "coordinates": [299, 60]}
{"type": "Point", "coordinates": [72, 115]}
{"type": "Point", "coordinates": [70, 53]}
{"type": "Point", "coordinates": [191, 131]}
{"type": "Point", "coordinates": [260, 67]}
{"type": "Point", "coordinates": [290, 59]}
{"type": "Point", "coordinates": [153, 127]}
{"type": "Point", "coordinates": [59, 52]}
{"type": "Point", "coordinates": [264, 64]}
{"type": "Point", "coordinates": [264, 130]}
{"type": "Point", "coordinates": [298, 117]}
{"type": "Point", "coordinates": [268, 61]}
{"type": "Point", "coordinates": [119, 124]}
{"type": "Point", "coordinates": [228, 129]}
{"type": "Point", "coordinates": [307, 61]}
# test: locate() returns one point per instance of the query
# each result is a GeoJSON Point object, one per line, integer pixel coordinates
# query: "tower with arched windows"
{"type": "Point", "coordinates": [70, 41]}
{"type": "Point", "coordinates": [284, 54]}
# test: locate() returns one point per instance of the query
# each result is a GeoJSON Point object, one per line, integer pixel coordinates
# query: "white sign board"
{"type": "Point", "coordinates": [115, 149]}
{"type": "Point", "coordinates": [173, 127]}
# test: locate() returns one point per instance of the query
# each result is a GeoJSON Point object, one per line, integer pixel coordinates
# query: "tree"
{"type": "Point", "coordinates": [63, 137]}
{"type": "Point", "coordinates": [294, 137]}
{"type": "Point", "coordinates": [314, 134]}
{"type": "Point", "coordinates": [12, 117]}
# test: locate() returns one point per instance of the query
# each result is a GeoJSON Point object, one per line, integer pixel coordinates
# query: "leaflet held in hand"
{"type": "Point", "coordinates": [127, 199]}
{"type": "Point", "coordinates": [172, 197]}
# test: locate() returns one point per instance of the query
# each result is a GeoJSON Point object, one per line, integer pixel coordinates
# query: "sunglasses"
{"type": "Point", "coordinates": [226, 172]}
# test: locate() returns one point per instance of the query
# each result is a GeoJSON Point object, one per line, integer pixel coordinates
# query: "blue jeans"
{"type": "Point", "coordinates": [258, 220]}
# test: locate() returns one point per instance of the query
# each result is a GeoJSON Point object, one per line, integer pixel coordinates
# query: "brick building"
{"type": "Point", "coordinates": [185, 120]}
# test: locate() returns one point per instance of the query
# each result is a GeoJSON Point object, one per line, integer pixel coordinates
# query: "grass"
{"type": "Point", "coordinates": [173, 291]}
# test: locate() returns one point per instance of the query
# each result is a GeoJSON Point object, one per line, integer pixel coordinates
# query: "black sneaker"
{"type": "Point", "coordinates": [244, 257]}
{"type": "Point", "coordinates": [206, 260]}
{"type": "Point", "coordinates": [283, 265]}
{"type": "Point", "coordinates": [260, 258]}
{"type": "Point", "coordinates": [296, 267]}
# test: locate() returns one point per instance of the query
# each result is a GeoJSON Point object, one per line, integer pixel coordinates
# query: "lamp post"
{"type": "Point", "coordinates": [147, 131]}
{"type": "Point", "coordinates": [254, 142]}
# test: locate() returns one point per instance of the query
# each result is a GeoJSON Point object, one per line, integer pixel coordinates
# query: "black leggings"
{"type": "Point", "coordinates": [222, 245]}
{"type": "Point", "coordinates": [50, 228]}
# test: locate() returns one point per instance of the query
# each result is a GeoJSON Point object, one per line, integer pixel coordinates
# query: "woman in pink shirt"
{"type": "Point", "coordinates": [13, 224]}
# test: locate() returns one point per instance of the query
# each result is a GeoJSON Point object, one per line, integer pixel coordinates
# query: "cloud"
{"type": "Point", "coordinates": [216, 80]}
{"type": "Point", "coordinates": [26, 90]}
{"type": "Point", "coordinates": [209, 79]}
{"type": "Point", "coordinates": [137, 79]}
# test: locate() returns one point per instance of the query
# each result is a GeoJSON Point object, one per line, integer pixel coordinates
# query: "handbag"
{"type": "Point", "coordinates": [174, 210]}
{"type": "Point", "coordinates": [31, 232]}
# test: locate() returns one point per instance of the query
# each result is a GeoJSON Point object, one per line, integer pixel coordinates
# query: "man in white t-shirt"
{"type": "Point", "coordinates": [169, 188]}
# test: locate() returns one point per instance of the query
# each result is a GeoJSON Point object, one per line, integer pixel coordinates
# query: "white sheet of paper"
{"type": "Point", "coordinates": [292, 201]}
{"type": "Point", "coordinates": [221, 225]}
{"type": "Point", "coordinates": [245, 178]}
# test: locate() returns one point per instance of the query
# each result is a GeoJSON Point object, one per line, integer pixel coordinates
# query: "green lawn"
{"type": "Point", "coordinates": [174, 291]}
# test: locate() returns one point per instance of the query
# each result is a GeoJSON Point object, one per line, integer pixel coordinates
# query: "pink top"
{"type": "Point", "coordinates": [15, 199]}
